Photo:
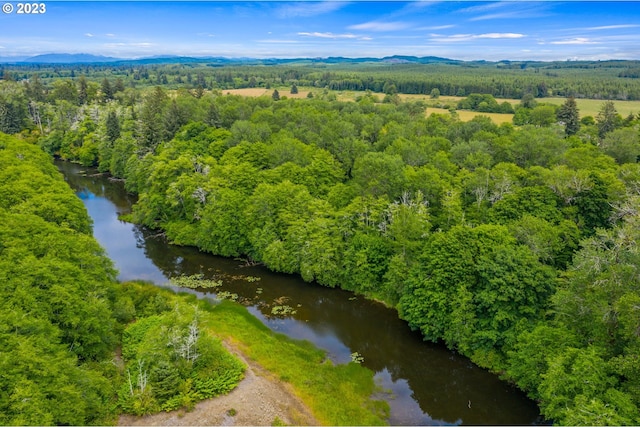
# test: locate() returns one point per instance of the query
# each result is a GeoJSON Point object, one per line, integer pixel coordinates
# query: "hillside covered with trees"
{"type": "Point", "coordinates": [514, 245]}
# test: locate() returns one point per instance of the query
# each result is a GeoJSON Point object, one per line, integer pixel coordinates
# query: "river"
{"type": "Point", "coordinates": [428, 384]}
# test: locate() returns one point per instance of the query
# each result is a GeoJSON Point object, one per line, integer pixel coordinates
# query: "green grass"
{"type": "Point", "coordinates": [587, 107]}
{"type": "Point", "coordinates": [591, 107]}
{"type": "Point", "coordinates": [466, 115]}
{"type": "Point", "coordinates": [336, 394]}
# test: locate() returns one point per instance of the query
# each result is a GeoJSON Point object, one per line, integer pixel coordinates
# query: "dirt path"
{"type": "Point", "coordinates": [259, 400]}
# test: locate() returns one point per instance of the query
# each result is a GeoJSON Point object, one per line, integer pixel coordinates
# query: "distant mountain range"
{"type": "Point", "coordinates": [68, 58]}
{"type": "Point", "coordinates": [84, 58]}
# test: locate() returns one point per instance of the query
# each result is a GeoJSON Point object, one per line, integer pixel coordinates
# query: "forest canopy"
{"type": "Point", "coordinates": [514, 244]}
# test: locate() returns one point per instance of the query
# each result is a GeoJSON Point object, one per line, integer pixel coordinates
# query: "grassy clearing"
{"type": "Point", "coordinates": [336, 394]}
{"type": "Point", "coordinates": [591, 107]}
{"type": "Point", "coordinates": [258, 91]}
{"type": "Point", "coordinates": [587, 107]}
{"type": "Point", "coordinates": [497, 118]}
{"type": "Point", "coordinates": [466, 115]}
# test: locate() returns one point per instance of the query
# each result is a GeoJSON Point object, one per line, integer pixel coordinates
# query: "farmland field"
{"type": "Point", "coordinates": [259, 91]}
{"type": "Point", "coordinates": [466, 115]}
{"type": "Point", "coordinates": [587, 107]}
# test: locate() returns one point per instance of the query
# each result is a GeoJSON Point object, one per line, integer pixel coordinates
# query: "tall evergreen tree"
{"type": "Point", "coordinates": [119, 86]}
{"type": "Point", "coordinates": [607, 119]}
{"type": "Point", "coordinates": [113, 127]}
{"type": "Point", "coordinates": [213, 116]}
{"type": "Point", "coordinates": [568, 114]}
{"type": "Point", "coordinates": [150, 122]}
{"type": "Point", "coordinates": [82, 90]}
{"type": "Point", "coordinates": [35, 89]}
{"type": "Point", "coordinates": [107, 90]}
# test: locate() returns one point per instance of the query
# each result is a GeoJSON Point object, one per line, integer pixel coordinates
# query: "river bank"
{"type": "Point", "coordinates": [259, 399]}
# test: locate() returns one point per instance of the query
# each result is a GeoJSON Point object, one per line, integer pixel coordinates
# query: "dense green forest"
{"type": "Point", "coordinates": [80, 349]}
{"type": "Point", "coordinates": [63, 315]}
{"type": "Point", "coordinates": [514, 245]}
{"type": "Point", "coordinates": [616, 80]}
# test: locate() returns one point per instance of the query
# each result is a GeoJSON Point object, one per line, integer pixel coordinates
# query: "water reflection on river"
{"type": "Point", "coordinates": [428, 384]}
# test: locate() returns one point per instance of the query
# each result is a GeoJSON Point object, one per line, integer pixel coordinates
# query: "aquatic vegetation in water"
{"type": "Point", "coordinates": [283, 310]}
{"type": "Point", "coordinates": [195, 281]}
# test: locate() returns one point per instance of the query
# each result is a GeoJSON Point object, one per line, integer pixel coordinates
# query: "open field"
{"type": "Point", "coordinates": [465, 115]}
{"type": "Point", "coordinates": [591, 107]}
{"type": "Point", "coordinates": [587, 107]}
{"type": "Point", "coordinates": [260, 91]}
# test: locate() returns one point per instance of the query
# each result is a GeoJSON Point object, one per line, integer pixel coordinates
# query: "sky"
{"type": "Point", "coordinates": [466, 30]}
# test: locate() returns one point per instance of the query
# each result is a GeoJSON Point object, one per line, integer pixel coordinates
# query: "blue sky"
{"type": "Point", "coordinates": [516, 30]}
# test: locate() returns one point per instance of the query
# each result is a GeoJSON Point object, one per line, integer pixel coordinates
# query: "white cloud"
{"type": "Point", "coordinates": [334, 36]}
{"type": "Point", "coordinates": [500, 36]}
{"type": "Point", "coordinates": [116, 45]}
{"type": "Point", "coordinates": [613, 27]}
{"type": "Point", "coordinates": [484, 7]}
{"type": "Point", "coordinates": [503, 15]}
{"type": "Point", "coordinates": [306, 9]}
{"type": "Point", "coordinates": [380, 26]}
{"type": "Point", "coordinates": [277, 41]}
{"type": "Point", "coordinates": [411, 7]}
{"type": "Point", "coordinates": [577, 40]}
{"type": "Point", "coordinates": [328, 35]}
{"type": "Point", "coordinates": [506, 10]}
{"type": "Point", "coordinates": [468, 37]}
{"type": "Point", "coordinates": [436, 27]}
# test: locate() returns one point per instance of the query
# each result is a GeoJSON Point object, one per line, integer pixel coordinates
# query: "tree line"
{"type": "Point", "coordinates": [598, 80]}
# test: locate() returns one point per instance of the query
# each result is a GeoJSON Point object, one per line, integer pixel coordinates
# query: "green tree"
{"type": "Point", "coordinates": [65, 90]}
{"type": "Point", "coordinates": [543, 115]}
{"type": "Point", "coordinates": [118, 86]}
{"type": "Point", "coordinates": [83, 85]}
{"type": "Point", "coordinates": [378, 174]}
{"type": "Point", "coordinates": [594, 208]}
{"type": "Point", "coordinates": [528, 101]}
{"type": "Point", "coordinates": [150, 121]}
{"type": "Point", "coordinates": [113, 127]}
{"type": "Point", "coordinates": [36, 89]}
{"type": "Point", "coordinates": [13, 113]}
{"type": "Point", "coordinates": [607, 119]}
{"type": "Point", "coordinates": [106, 90]}
{"type": "Point", "coordinates": [622, 144]}
{"type": "Point", "coordinates": [569, 116]}
{"type": "Point", "coordinates": [497, 283]}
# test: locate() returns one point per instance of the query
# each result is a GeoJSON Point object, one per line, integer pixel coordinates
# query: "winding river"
{"type": "Point", "coordinates": [428, 384]}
